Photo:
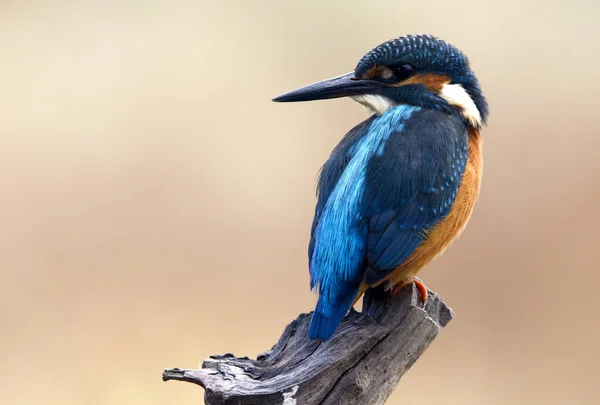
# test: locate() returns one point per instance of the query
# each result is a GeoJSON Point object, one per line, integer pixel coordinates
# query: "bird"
{"type": "Point", "coordinates": [400, 186]}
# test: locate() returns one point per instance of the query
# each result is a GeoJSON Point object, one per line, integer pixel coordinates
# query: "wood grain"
{"type": "Point", "coordinates": [361, 364]}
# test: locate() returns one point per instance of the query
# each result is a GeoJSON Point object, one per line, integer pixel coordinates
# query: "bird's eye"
{"type": "Point", "coordinates": [402, 71]}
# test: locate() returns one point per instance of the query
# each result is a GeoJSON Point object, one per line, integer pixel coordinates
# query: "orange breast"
{"type": "Point", "coordinates": [442, 235]}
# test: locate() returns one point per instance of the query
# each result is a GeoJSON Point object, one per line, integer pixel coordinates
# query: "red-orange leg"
{"type": "Point", "coordinates": [418, 283]}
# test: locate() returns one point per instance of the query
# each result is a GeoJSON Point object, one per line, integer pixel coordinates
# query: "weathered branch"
{"type": "Point", "coordinates": [361, 364]}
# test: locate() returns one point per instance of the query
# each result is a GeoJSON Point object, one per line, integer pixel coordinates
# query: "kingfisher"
{"type": "Point", "coordinates": [401, 185]}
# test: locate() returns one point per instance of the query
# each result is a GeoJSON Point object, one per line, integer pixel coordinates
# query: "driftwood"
{"type": "Point", "coordinates": [361, 364]}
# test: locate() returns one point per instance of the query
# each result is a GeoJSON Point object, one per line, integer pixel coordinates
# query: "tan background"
{"type": "Point", "coordinates": [155, 205]}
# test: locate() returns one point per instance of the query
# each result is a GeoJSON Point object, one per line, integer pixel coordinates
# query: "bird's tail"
{"type": "Point", "coordinates": [329, 313]}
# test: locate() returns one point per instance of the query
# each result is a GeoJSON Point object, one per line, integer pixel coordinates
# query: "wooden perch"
{"type": "Point", "coordinates": [361, 364]}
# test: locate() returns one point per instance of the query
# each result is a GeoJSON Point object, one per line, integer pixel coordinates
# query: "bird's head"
{"type": "Point", "coordinates": [418, 70]}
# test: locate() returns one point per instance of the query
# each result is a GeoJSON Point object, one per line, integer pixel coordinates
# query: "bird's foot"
{"type": "Point", "coordinates": [422, 288]}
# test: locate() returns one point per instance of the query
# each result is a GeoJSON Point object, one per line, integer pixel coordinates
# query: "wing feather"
{"type": "Point", "coordinates": [411, 187]}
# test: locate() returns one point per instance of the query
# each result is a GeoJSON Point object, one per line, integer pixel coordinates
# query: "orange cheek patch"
{"type": "Point", "coordinates": [432, 81]}
{"type": "Point", "coordinates": [374, 72]}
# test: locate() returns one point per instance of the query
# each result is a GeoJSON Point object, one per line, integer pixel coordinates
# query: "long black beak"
{"type": "Point", "coordinates": [341, 86]}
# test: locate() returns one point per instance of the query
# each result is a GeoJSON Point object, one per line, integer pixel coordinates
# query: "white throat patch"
{"type": "Point", "coordinates": [373, 103]}
{"type": "Point", "coordinates": [455, 94]}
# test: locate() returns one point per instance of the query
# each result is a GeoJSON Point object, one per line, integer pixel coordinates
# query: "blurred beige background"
{"type": "Point", "coordinates": [155, 205]}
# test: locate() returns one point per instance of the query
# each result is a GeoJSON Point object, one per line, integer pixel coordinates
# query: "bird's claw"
{"type": "Point", "coordinates": [421, 287]}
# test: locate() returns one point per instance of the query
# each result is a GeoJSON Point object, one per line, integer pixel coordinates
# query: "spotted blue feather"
{"type": "Point", "coordinates": [383, 187]}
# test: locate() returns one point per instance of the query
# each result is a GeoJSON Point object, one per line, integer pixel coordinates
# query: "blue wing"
{"type": "Point", "coordinates": [410, 187]}
{"type": "Point", "coordinates": [332, 306]}
{"type": "Point", "coordinates": [331, 173]}
{"type": "Point", "coordinates": [387, 183]}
